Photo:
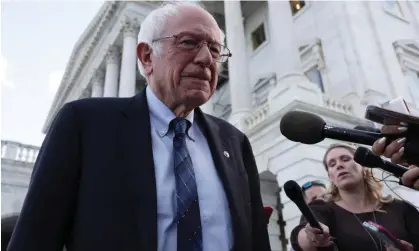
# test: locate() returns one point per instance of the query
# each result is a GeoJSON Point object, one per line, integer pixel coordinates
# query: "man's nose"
{"type": "Point", "coordinates": [203, 56]}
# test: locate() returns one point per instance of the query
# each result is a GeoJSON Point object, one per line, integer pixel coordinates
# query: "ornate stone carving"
{"type": "Point", "coordinates": [114, 55]}
{"type": "Point", "coordinates": [407, 52]}
{"type": "Point", "coordinates": [131, 27]}
{"type": "Point", "coordinates": [312, 55]}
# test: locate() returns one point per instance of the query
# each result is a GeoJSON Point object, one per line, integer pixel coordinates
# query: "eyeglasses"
{"type": "Point", "coordinates": [309, 184]}
{"type": "Point", "coordinates": [190, 42]}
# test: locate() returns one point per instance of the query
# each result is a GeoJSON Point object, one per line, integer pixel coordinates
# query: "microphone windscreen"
{"type": "Point", "coordinates": [293, 191]}
{"type": "Point", "coordinates": [303, 127]}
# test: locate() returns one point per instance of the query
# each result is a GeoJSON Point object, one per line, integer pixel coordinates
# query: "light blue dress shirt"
{"type": "Point", "coordinates": [215, 214]}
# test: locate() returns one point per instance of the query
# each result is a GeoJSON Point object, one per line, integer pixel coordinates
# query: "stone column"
{"type": "Point", "coordinates": [87, 93]}
{"type": "Point", "coordinates": [283, 39]}
{"type": "Point", "coordinates": [98, 82]}
{"type": "Point", "coordinates": [112, 72]}
{"type": "Point", "coordinates": [240, 88]}
{"type": "Point", "coordinates": [291, 82]}
{"type": "Point", "coordinates": [131, 28]}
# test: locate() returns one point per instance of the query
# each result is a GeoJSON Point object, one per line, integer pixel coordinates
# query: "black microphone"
{"type": "Point", "coordinates": [294, 192]}
{"type": "Point", "coordinates": [368, 129]}
{"type": "Point", "coordinates": [367, 158]}
{"type": "Point", "coordinates": [308, 128]}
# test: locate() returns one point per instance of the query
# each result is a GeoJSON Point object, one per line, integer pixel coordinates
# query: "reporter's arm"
{"type": "Point", "coordinates": [44, 223]}
{"type": "Point", "coordinates": [299, 239]}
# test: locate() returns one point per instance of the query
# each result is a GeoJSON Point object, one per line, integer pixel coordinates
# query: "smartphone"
{"type": "Point", "coordinates": [383, 234]}
{"type": "Point", "coordinates": [388, 117]}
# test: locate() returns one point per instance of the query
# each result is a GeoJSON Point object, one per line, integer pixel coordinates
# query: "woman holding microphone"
{"type": "Point", "coordinates": [356, 197]}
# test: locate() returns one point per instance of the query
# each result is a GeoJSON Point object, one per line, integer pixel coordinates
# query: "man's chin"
{"type": "Point", "coordinates": [197, 98]}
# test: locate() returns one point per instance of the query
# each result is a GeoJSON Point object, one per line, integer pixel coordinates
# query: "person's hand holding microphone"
{"type": "Point", "coordinates": [316, 237]}
{"type": "Point", "coordinates": [395, 151]}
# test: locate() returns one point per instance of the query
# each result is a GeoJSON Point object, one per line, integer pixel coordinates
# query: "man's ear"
{"type": "Point", "coordinates": [144, 52]}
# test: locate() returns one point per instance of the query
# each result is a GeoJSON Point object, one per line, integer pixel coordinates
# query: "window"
{"type": "Point", "coordinates": [258, 36]}
{"type": "Point", "coordinates": [393, 7]}
{"type": "Point", "coordinates": [315, 76]}
{"type": "Point", "coordinates": [296, 6]}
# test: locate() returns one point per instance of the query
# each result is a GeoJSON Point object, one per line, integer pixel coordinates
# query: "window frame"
{"type": "Point", "coordinates": [263, 44]}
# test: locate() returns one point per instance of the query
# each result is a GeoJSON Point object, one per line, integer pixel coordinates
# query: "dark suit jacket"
{"type": "Point", "coordinates": [93, 186]}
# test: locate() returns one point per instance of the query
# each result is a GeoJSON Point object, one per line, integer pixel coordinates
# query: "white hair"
{"type": "Point", "coordinates": [154, 24]}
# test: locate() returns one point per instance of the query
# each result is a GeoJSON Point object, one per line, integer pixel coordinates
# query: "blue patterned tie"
{"type": "Point", "coordinates": [189, 234]}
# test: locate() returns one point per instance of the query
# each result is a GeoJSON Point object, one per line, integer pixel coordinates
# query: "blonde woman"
{"type": "Point", "coordinates": [355, 197]}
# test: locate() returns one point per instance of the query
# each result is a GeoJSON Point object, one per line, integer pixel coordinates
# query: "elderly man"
{"type": "Point", "coordinates": [151, 172]}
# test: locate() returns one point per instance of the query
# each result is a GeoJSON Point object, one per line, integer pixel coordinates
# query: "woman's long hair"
{"type": "Point", "coordinates": [373, 188]}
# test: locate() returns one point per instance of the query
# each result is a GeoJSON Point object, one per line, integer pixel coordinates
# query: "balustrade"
{"type": "Point", "coordinates": [18, 152]}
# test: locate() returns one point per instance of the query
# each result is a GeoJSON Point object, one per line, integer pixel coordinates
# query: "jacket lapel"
{"type": "Point", "coordinates": [222, 151]}
{"type": "Point", "coordinates": [137, 159]}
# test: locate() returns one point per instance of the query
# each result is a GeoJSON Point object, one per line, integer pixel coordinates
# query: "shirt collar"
{"type": "Point", "coordinates": [161, 115]}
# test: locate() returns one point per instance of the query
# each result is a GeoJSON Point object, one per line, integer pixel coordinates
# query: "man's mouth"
{"type": "Point", "coordinates": [200, 76]}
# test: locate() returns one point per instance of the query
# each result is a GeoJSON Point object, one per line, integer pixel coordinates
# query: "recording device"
{"type": "Point", "coordinates": [367, 158]}
{"type": "Point", "coordinates": [308, 128]}
{"type": "Point", "coordinates": [383, 234]}
{"type": "Point", "coordinates": [388, 117]}
{"type": "Point", "coordinates": [294, 193]}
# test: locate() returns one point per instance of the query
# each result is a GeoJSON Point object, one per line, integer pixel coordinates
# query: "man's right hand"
{"type": "Point", "coordinates": [317, 237]}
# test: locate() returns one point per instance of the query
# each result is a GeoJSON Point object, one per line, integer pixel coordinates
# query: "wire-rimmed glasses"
{"type": "Point", "coordinates": [190, 42]}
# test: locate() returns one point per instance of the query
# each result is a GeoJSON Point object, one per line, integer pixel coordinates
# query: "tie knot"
{"type": "Point", "coordinates": [180, 126]}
